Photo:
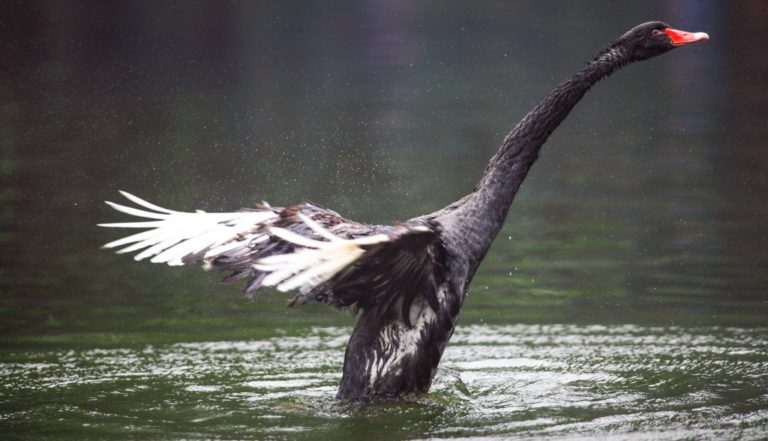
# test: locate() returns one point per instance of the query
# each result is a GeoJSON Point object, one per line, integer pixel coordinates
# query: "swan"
{"type": "Point", "coordinates": [407, 281]}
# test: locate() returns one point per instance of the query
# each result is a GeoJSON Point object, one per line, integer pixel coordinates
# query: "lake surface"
{"type": "Point", "coordinates": [626, 297]}
{"type": "Point", "coordinates": [551, 381]}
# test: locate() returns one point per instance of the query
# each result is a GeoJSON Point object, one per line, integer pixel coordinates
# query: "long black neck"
{"type": "Point", "coordinates": [479, 216]}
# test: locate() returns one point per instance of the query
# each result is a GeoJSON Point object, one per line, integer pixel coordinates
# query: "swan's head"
{"type": "Point", "coordinates": [654, 38]}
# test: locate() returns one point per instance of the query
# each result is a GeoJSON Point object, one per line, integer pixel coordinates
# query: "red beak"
{"type": "Point", "coordinates": [680, 38]}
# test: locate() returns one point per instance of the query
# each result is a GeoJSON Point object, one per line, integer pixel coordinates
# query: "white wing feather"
{"type": "Point", "coordinates": [172, 235]}
{"type": "Point", "coordinates": [175, 234]}
{"type": "Point", "coordinates": [316, 261]}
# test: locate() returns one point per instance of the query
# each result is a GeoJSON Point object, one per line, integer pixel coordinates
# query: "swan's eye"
{"type": "Point", "coordinates": [656, 33]}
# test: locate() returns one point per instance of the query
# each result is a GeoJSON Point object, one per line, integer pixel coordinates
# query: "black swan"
{"type": "Point", "coordinates": [408, 280]}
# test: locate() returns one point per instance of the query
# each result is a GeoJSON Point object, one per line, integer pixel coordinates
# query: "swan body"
{"type": "Point", "coordinates": [409, 280]}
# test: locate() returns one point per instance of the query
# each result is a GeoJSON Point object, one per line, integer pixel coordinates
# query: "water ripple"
{"type": "Point", "coordinates": [553, 382]}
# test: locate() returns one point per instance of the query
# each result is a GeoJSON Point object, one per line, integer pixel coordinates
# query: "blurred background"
{"type": "Point", "coordinates": [647, 206]}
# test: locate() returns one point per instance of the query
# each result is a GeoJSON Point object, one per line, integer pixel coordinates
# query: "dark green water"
{"type": "Point", "coordinates": [496, 381]}
{"type": "Point", "coordinates": [627, 296]}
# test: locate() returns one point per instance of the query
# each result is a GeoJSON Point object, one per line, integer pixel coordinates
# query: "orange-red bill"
{"type": "Point", "coordinates": [680, 38]}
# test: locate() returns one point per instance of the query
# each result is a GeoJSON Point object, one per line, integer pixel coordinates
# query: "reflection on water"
{"type": "Point", "coordinates": [515, 380]}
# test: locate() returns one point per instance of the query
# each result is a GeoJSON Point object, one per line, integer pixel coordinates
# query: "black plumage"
{"type": "Point", "coordinates": [408, 281]}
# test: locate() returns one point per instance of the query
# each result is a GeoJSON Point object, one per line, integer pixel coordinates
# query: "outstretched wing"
{"type": "Point", "coordinates": [303, 248]}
